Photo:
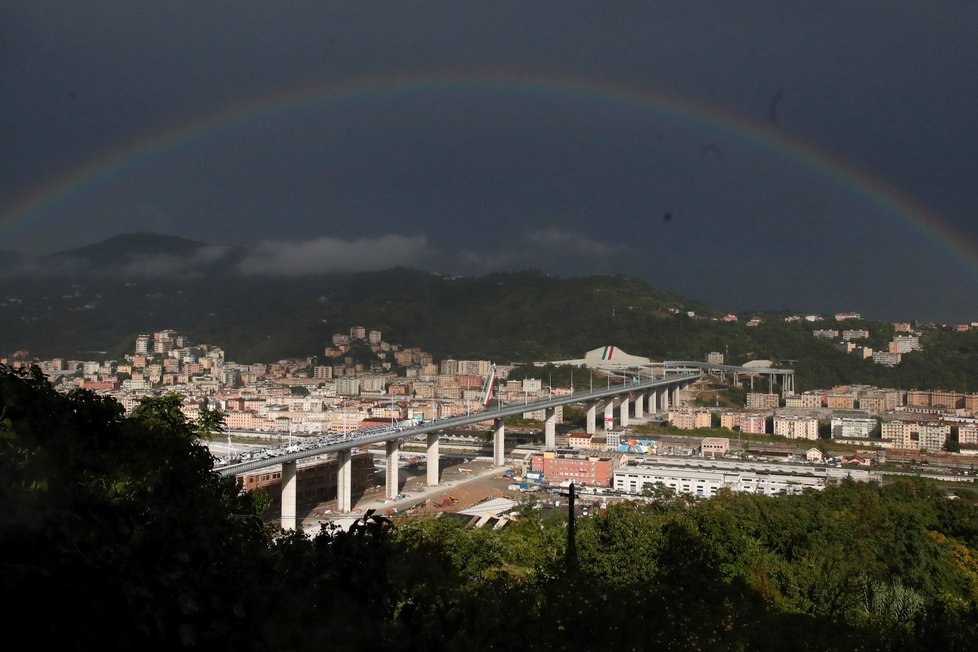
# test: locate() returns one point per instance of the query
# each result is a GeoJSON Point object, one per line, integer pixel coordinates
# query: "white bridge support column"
{"type": "Point", "coordinates": [433, 461]}
{"type": "Point", "coordinates": [498, 442]}
{"type": "Point", "coordinates": [665, 399]}
{"type": "Point", "coordinates": [624, 411]}
{"type": "Point", "coordinates": [344, 481]}
{"type": "Point", "coordinates": [653, 401]}
{"type": "Point", "coordinates": [550, 428]}
{"type": "Point", "coordinates": [288, 496]}
{"type": "Point", "coordinates": [592, 414]}
{"type": "Point", "coordinates": [639, 405]}
{"type": "Point", "coordinates": [609, 414]}
{"type": "Point", "coordinates": [393, 450]}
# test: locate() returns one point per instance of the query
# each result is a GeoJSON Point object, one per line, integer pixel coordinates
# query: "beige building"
{"type": "Point", "coordinates": [714, 446]}
{"type": "Point", "coordinates": [796, 427]}
{"type": "Point", "coordinates": [916, 435]}
{"type": "Point", "coordinates": [690, 419]}
{"type": "Point", "coordinates": [804, 400]}
{"type": "Point", "coordinates": [841, 400]}
{"type": "Point", "coordinates": [947, 400]}
{"type": "Point", "coordinates": [918, 398]}
{"type": "Point", "coordinates": [968, 435]}
{"type": "Point", "coordinates": [757, 401]}
{"type": "Point", "coordinates": [730, 420]}
{"type": "Point", "coordinates": [580, 440]}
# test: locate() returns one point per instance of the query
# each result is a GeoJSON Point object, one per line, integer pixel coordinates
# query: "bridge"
{"type": "Point", "coordinates": [632, 395]}
{"type": "Point", "coordinates": [785, 377]}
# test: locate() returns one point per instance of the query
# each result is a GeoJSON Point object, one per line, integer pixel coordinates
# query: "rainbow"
{"type": "Point", "coordinates": [37, 202]}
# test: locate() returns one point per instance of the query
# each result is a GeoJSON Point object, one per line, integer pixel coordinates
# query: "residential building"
{"type": "Point", "coordinates": [580, 440]}
{"type": "Point", "coordinates": [852, 427]}
{"type": "Point", "coordinates": [758, 401]}
{"type": "Point", "coordinates": [826, 333]}
{"type": "Point", "coordinates": [808, 399]}
{"type": "Point", "coordinates": [947, 400]}
{"type": "Point", "coordinates": [905, 344]}
{"type": "Point", "coordinates": [842, 400]}
{"type": "Point", "coordinates": [347, 386]}
{"type": "Point", "coordinates": [753, 423]}
{"type": "Point", "coordinates": [689, 419]}
{"type": "Point", "coordinates": [796, 427]}
{"type": "Point", "coordinates": [968, 435]}
{"type": "Point", "coordinates": [916, 435]}
{"type": "Point", "coordinates": [886, 358]}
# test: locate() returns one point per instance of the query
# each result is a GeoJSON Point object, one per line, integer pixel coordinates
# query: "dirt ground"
{"type": "Point", "coordinates": [467, 489]}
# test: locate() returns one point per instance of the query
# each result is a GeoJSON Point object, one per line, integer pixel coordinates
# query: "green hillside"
{"type": "Point", "coordinates": [512, 317]}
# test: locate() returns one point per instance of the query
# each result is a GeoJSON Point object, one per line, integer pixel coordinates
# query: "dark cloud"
{"type": "Point", "coordinates": [326, 255]}
{"type": "Point", "coordinates": [548, 172]}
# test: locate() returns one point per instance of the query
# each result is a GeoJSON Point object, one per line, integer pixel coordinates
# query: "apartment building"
{"type": "Point", "coordinates": [916, 435]}
{"type": "Point", "coordinates": [852, 427]}
{"type": "Point", "coordinates": [758, 401]}
{"type": "Point", "coordinates": [905, 344]}
{"type": "Point", "coordinates": [796, 427]}
{"type": "Point", "coordinates": [690, 419]}
{"type": "Point", "coordinates": [887, 358]}
{"type": "Point", "coordinates": [844, 400]}
{"type": "Point", "coordinates": [968, 435]}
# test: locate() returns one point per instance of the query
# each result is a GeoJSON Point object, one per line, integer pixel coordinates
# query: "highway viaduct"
{"type": "Point", "coordinates": [633, 395]}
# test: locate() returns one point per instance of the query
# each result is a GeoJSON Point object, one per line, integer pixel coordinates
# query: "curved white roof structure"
{"type": "Point", "coordinates": [612, 356]}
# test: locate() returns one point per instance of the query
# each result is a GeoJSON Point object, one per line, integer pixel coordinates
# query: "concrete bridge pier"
{"type": "Point", "coordinates": [653, 401]}
{"type": "Point", "coordinates": [393, 449]}
{"type": "Point", "coordinates": [498, 442]}
{"type": "Point", "coordinates": [665, 399]}
{"type": "Point", "coordinates": [624, 411]}
{"type": "Point", "coordinates": [344, 481]}
{"type": "Point", "coordinates": [288, 496]}
{"type": "Point", "coordinates": [433, 461]}
{"type": "Point", "coordinates": [609, 414]}
{"type": "Point", "coordinates": [592, 413]}
{"type": "Point", "coordinates": [639, 405]}
{"type": "Point", "coordinates": [550, 428]}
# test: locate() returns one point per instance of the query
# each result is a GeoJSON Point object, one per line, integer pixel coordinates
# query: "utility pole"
{"type": "Point", "coordinates": [571, 556]}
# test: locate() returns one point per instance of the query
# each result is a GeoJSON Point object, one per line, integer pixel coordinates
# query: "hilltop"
{"type": "Point", "coordinates": [90, 303]}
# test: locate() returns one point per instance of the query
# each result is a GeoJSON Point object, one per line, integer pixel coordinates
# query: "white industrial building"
{"type": "Point", "coordinates": [704, 477]}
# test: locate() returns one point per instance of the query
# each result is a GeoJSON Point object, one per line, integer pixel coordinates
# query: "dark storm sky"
{"type": "Point", "coordinates": [478, 177]}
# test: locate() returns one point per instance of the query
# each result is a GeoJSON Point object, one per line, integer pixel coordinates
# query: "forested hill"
{"type": "Point", "coordinates": [96, 313]}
